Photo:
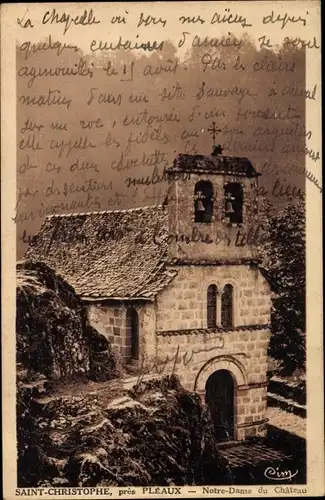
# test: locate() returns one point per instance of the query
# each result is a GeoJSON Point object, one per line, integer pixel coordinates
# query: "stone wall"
{"type": "Point", "coordinates": [111, 321]}
{"type": "Point", "coordinates": [195, 355]}
{"type": "Point", "coordinates": [245, 351]}
{"type": "Point", "coordinates": [183, 304]}
{"type": "Point", "coordinates": [224, 241]}
{"type": "Point", "coordinates": [251, 406]}
{"type": "Point", "coordinates": [194, 352]}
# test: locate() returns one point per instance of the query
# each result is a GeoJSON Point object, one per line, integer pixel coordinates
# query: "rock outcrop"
{"type": "Point", "coordinates": [157, 433]}
{"type": "Point", "coordinates": [53, 336]}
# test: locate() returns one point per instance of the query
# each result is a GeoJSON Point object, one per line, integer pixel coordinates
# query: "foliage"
{"type": "Point", "coordinates": [284, 259]}
{"type": "Point", "coordinates": [103, 362]}
{"type": "Point", "coordinates": [32, 462]}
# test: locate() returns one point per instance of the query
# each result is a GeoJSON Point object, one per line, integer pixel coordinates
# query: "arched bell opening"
{"type": "Point", "coordinates": [234, 199]}
{"type": "Point", "coordinates": [203, 201]}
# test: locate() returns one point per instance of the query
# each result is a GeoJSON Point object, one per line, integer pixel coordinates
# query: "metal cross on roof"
{"type": "Point", "coordinates": [214, 131]}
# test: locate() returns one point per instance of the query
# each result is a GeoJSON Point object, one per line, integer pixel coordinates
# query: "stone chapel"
{"type": "Point", "coordinates": [177, 288]}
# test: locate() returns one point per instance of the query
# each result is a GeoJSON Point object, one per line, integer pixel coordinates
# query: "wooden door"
{"type": "Point", "coordinates": [132, 335]}
{"type": "Point", "coordinates": [219, 396]}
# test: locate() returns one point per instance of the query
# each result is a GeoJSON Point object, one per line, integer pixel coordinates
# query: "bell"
{"type": "Point", "coordinates": [229, 208]}
{"type": "Point", "coordinates": [200, 206]}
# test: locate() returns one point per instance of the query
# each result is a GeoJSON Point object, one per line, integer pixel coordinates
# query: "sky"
{"type": "Point", "coordinates": [253, 88]}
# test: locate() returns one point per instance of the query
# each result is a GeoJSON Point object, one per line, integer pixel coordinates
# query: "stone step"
{"type": "Point", "coordinates": [295, 390]}
{"type": "Point", "coordinates": [243, 455]}
{"type": "Point", "coordinates": [288, 405]}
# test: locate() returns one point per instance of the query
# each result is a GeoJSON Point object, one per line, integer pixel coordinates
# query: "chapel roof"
{"type": "Point", "coordinates": [107, 255]}
{"type": "Point", "coordinates": [219, 164]}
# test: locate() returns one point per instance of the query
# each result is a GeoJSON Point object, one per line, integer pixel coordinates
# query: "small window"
{"type": "Point", "coordinates": [212, 306]}
{"type": "Point", "coordinates": [227, 306]}
{"type": "Point", "coordinates": [234, 198]}
{"type": "Point", "coordinates": [203, 201]}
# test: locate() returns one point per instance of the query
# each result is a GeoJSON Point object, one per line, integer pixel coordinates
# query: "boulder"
{"type": "Point", "coordinates": [53, 334]}
{"type": "Point", "coordinates": [49, 324]}
{"type": "Point", "coordinates": [157, 433]}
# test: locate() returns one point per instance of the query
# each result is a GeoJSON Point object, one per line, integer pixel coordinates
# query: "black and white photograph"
{"type": "Point", "coordinates": [165, 312]}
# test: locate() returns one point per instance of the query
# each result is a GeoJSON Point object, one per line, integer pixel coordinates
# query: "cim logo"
{"type": "Point", "coordinates": [278, 475]}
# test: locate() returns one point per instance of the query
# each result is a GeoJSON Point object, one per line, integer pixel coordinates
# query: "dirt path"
{"type": "Point", "coordinates": [287, 421]}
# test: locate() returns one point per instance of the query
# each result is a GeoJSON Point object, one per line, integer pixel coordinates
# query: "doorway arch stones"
{"type": "Point", "coordinates": [225, 362]}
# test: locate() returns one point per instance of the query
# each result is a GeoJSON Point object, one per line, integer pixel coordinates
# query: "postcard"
{"type": "Point", "coordinates": [162, 250]}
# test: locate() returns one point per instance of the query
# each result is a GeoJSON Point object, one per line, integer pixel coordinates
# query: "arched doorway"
{"type": "Point", "coordinates": [132, 334]}
{"type": "Point", "coordinates": [219, 397]}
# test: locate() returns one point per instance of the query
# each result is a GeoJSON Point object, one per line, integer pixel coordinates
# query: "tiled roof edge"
{"type": "Point", "coordinates": [87, 298]}
{"type": "Point", "coordinates": [211, 331]}
{"type": "Point", "coordinates": [150, 297]}
{"type": "Point", "coordinates": [126, 210]}
{"type": "Point", "coordinates": [30, 247]}
{"type": "Point", "coordinates": [210, 156]}
{"type": "Point", "coordinates": [214, 172]}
